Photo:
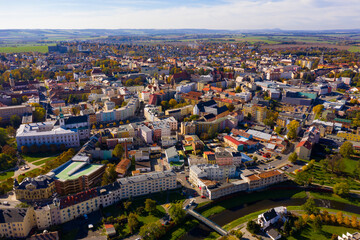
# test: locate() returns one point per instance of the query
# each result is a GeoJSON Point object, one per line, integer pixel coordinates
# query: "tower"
{"type": "Point", "coordinates": [61, 118]}
{"type": "Point", "coordinates": [11, 81]}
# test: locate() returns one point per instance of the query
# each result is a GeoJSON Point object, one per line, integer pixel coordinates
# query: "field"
{"type": "Point", "coordinates": [24, 48]}
{"type": "Point", "coordinates": [325, 234]}
{"type": "Point", "coordinates": [6, 175]}
{"type": "Point", "coordinates": [39, 156]}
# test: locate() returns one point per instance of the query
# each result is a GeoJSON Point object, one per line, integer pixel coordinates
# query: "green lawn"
{"type": "Point", "coordinates": [243, 219]}
{"type": "Point", "coordinates": [354, 49]}
{"type": "Point", "coordinates": [180, 230]}
{"type": "Point", "coordinates": [38, 163]}
{"type": "Point", "coordinates": [325, 234]}
{"type": "Point", "coordinates": [6, 175]}
{"type": "Point", "coordinates": [26, 48]}
{"type": "Point", "coordinates": [334, 197]}
{"type": "Point", "coordinates": [350, 165]}
{"type": "Point", "coordinates": [32, 157]}
{"type": "Point", "coordinates": [210, 210]}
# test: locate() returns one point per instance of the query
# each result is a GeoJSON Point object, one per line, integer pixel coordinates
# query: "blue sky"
{"type": "Point", "coordinates": [162, 14]}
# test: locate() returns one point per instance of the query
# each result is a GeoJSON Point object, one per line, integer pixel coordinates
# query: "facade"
{"type": "Point", "coordinates": [257, 112]}
{"type": "Point", "coordinates": [264, 179]}
{"type": "Point", "coordinates": [16, 222]}
{"type": "Point", "coordinates": [45, 133]}
{"type": "Point", "coordinates": [172, 155]}
{"type": "Point", "coordinates": [77, 175]}
{"type": "Point", "coordinates": [19, 110]}
{"type": "Point", "coordinates": [41, 187]}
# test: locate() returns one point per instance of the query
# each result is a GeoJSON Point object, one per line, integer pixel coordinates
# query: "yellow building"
{"type": "Point", "coordinates": [16, 222]}
{"type": "Point", "coordinates": [41, 187]}
{"type": "Point", "coordinates": [349, 136]}
{"type": "Point", "coordinates": [257, 112]}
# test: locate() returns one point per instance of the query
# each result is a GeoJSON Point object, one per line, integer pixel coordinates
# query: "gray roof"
{"type": "Point", "coordinates": [12, 215]}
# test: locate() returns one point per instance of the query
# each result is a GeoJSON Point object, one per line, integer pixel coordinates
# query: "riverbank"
{"type": "Point", "coordinates": [243, 206]}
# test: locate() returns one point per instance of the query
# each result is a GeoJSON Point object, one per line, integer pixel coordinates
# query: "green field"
{"type": "Point", "coordinates": [24, 48]}
{"type": "Point", "coordinates": [33, 157]}
{"type": "Point", "coordinates": [354, 49]}
{"type": "Point", "coordinates": [6, 175]}
{"type": "Point", "coordinates": [326, 232]}
{"type": "Point", "coordinates": [38, 163]}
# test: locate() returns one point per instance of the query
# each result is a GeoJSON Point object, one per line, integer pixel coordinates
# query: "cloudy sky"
{"type": "Point", "coordinates": [171, 14]}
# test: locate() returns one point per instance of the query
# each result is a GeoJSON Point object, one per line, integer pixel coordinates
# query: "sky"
{"type": "Point", "coordinates": [177, 14]}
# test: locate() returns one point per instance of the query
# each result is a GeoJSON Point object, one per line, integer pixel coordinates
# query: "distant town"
{"type": "Point", "coordinates": [108, 140]}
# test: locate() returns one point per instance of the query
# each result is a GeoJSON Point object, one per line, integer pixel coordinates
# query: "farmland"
{"type": "Point", "coordinates": [23, 48]}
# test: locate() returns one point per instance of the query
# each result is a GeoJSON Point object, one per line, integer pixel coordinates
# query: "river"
{"type": "Point", "coordinates": [201, 231]}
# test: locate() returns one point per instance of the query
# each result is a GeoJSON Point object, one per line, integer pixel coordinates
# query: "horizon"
{"type": "Point", "coordinates": [231, 15]}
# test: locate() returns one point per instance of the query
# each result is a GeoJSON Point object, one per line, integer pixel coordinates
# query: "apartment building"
{"type": "Point", "coordinates": [40, 187]}
{"type": "Point", "coordinates": [16, 222]}
{"type": "Point", "coordinates": [45, 133]}
{"type": "Point", "coordinates": [256, 112]}
{"type": "Point", "coordinates": [147, 184]}
{"type": "Point", "coordinates": [264, 179]}
{"type": "Point", "coordinates": [18, 110]}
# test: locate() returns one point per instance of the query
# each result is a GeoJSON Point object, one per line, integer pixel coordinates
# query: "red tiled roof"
{"type": "Point", "coordinates": [305, 144]}
{"type": "Point", "coordinates": [233, 140]}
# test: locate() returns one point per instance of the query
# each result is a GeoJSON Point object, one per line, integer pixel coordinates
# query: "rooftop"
{"type": "Point", "coordinates": [73, 170]}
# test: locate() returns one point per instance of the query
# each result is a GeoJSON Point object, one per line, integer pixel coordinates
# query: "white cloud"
{"type": "Point", "coordinates": [241, 14]}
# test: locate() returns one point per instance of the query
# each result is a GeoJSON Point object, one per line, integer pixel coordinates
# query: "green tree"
{"type": "Point", "coordinates": [165, 104]}
{"type": "Point", "coordinates": [118, 151]}
{"type": "Point", "coordinates": [39, 113]}
{"type": "Point", "coordinates": [341, 189]}
{"type": "Point", "coordinates": [172, 103]}
{"type": "Point", "coordinates": [15, 121]}
{"type": "Point", "coordinates": [318, 109]}
{"type": "Point", "coordinates": [347, 149]}
{"type": "Point", "coordinates": [253, 227]}
{"type": "Point", "coordinates": [310, 207]}
{"type": "Point", "coordinates": [317, 224]}
{"type": "Point", "coordinates": [176, 212]}
{"type": "Point", "coordinates": [303, 178]}
{"type": "Point", "coordinates": [152, 231]}
{"type": "Point", "coordinates": [133, 222]}
{"type": "Point", "coordinates": [9, 151]}
{"type": "Point", "coordinates": [150, 205]}
{"type": "Point", "coordinates": [293, 157]}
{"type": "Point", "coordinates": [292, 128]}
{"type": "Point", "coordinates": [110, 175]}
{"type": "Point", "coordinates": [127, 205]}
{"type": "Point", "coordinates": [3, 136]}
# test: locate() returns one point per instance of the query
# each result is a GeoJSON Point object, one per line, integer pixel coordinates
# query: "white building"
{"type": "Point", "coordinates": [45, 133]}
{"type": "Point", "coordinates": [270, 217]}
{"type": "Point", "coordinates": [146, 134]}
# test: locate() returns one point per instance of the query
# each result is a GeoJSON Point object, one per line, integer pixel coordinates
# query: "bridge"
{"type": "Point", "coordinates": [207, 222]}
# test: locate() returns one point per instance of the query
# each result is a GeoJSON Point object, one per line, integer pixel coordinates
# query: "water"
{"type": "Point", "coordinates": [202, 231]}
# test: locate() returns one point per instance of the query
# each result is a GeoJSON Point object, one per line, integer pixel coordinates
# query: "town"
{"type": "Point", "coordinates": [96, 133]}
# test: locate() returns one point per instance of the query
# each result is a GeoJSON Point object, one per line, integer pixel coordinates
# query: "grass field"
{"type": "Point", "coordinates": [24, 48]}
{"type": "Point", "coordinates": [325, 234]}
{"type": "Point", "coordinates": [354, 49]}
{"type": "Point", "coordinates": [37, 156]}
{"type": "Point", "coordinates": [6, 175]}
{"type": "Point", "coordinates": [38, 163]}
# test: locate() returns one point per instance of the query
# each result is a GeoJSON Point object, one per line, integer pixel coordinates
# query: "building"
{"type": "Point", "coordinates": [41, 187]}
{"type": "Point", "coordinates": [172, 155]}
{"type": "Point", "coordinates": [271, 217]}
{"type": "Point", "coordinates": [188, 128]}
{"type": "Point", "coordinates": [16, 222]}
{"type": "Point", "coordinates": [122, 167]}
{"type": "Point", "coordinates": [146, 184]}
{"type": "Point", "coordinates": [210, 172]}
{"type": "Point", "coordinates": [303, 149]}
{"type": "Point", "coordinates": [256, 112]}
{"type": "Point", "coordinates": [77, 175]}
{"type": "Point", "coordinates": [263, 179]}
{"type": "Point", "coordinates": [18, 110]}
{"type": "Point", "coordinates": [349, 236]}
{"type": "Point", "coordinates": [46, 133]}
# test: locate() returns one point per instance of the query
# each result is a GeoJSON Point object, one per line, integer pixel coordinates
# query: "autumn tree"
{"type": "Point", "coordinates": [347, 149]}
{"type": "Point", "coordinates": [341, 189]}
{"type": "Point", "coordinates": [133, 222]}
{"type": "Point", "coordinates": [152, 231]}
{"type": "Point", "coordinates": [176, 212]}
{"type": "Point", "coordinates": [293, 157]}
{"type": "Point", "coordinates": [118, 151]}
{"type": "Point", "coordinates": [318, 109]}
{"type": "Point", "coordinates": [150, 205]}
{"type": "Point", "coordinates": [172, 103]}
{"type": "Point", "coordinates": [109, 175]}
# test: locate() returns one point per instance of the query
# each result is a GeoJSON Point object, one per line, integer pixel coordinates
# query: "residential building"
{"type": "Point", "coordinates": [264, 179]}
{"type": "Point", "coordinates": [41, 187]}
{"type": "Point", "coordinates": [18, 110]}
{"type": "Point", "coordinates": [16, 222]}
{"type": "Point", "coordinates": [256, 112]}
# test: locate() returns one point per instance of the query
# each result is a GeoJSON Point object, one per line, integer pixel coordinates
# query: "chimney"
{"type": "Point", "coordinates": [126, 150]}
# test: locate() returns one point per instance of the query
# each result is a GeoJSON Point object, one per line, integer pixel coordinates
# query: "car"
{"type": "Point", "coordinates": [203, 196]}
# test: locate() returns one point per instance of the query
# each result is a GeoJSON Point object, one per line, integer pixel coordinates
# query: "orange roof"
{"type": "Point", "coordinates": [253, 177]}
{"type": "Point", "coordinates": [269, 174]}
{"type": "Point", "coordinates": [109, 226]}
{"type": "Point", "coordinates": [233, 140]}
{"type": "Point", "coordinates": [305, 144]}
